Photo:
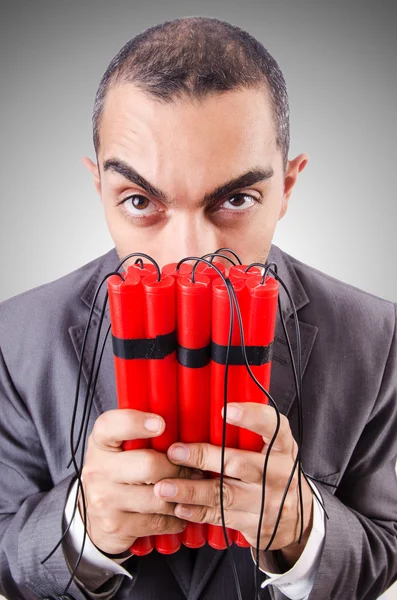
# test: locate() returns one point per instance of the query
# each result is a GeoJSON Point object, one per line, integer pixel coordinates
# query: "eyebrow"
{"type": "Point", "coordinates": [254, 175]}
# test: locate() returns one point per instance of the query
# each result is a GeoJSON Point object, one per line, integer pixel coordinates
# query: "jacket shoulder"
{"type": "Point", "coordinates": [48, 304]}
{"type": "Point", "coordinates": [345, 312]}
{"type": "Point", "coordinates": [331, 290]}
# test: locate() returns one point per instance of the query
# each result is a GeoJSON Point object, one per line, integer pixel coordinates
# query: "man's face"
{"type": "Point", "coordinates": [188, 177]}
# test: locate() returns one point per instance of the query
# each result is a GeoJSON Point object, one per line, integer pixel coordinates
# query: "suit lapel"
{"type": "Point", "coordinates": [282, 387]}
{"type": "Point", "coordinates": [206, 562]}
{"type": "Point", "coordinates": [105, 390]}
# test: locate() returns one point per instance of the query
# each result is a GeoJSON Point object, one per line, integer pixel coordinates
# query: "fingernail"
{"type": "Point", "coordinates": [153, 424]}
{"type": "Point", "coordinates": [168, 490]}
{"type": "Point", "coordinates": [179, 453]}
{"type": "Point", "coordinates": [183, 511]}
{"type": "Point", "coordinates": [233, 413]}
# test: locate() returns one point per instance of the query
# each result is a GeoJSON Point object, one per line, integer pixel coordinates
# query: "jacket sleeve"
{"type": "Point", "coordinates": [31, 507]}
{"type": "Point", "coordinates": [359, 559]}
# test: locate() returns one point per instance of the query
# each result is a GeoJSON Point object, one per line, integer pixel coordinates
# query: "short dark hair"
{"type": "Point", "coordinates": [194, 57]}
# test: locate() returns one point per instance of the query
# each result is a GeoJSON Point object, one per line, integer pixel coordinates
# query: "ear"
{"type": "Point", "coordinates": [87, 162]}
{"type": "Point", "coordinates": [294, 167]}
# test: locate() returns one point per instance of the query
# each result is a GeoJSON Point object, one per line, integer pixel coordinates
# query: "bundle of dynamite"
{"type": "Point", "coordinates": [171, 333]}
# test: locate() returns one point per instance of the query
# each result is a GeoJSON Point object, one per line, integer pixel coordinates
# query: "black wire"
{"type": "Point", "coordinates": [212, 255]}
{"type": "Point", "coordinates": [102, 316]}
{"type": "Point", "coordinates": [85, 418]}
{"type": "Point", "coordinates": [132, 255]}
{"type": "Point", "coordinates": [78, 471]}
{"type": "Point", "coordinates": [80, 486]}
{"type": "Point", "coordinates": [221, 477]}
{"type": "Point", "coordinates": [236, 256]}
{"type": "Point", "coordinates": [224, 424]}
{"type": "Point", "coordinates": [271, 443]}
{"type": "Point", "coordinates": [140, 254]}
{"type": "Point", "coordinates": [299, 395]}
{"type": "Point", "coordinates": [232, 302]}
{"type": "Point", "coordinates": [231, 289]}
{"type": "Point", "coordinates": [298, 385]}
{"type": "Point", "coordinates": [77, 393]}
{"type": "Point", "coordinates": [320, 481]}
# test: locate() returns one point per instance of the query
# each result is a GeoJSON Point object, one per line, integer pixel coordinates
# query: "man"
{"type": "Point", "coordinates": [191, 134]}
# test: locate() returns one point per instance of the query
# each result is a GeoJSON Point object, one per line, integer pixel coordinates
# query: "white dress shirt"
{"type": "Point", "coordinates": [95, 569]}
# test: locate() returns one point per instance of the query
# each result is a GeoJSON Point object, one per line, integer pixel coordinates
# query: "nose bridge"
{"type": "Point", "coordinates": [193, 234]}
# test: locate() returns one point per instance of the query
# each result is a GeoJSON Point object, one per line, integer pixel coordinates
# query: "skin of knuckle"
{"type": "Point", "coordinates": [289, 505]}
{"type": "Point", "coordinates": [236, 467]}
{"type": "Point", "coordinates": [189, 494]}
{"type": "Point", "coordinates": [216, 493]}
{"type": "Point", "coordinates": [175, 525]}
{"type": "Point", "coordinates": [199, 455]}
{"type": "Point", "coordinates": [89, 473]}
{"type": "Point", "coordinates": [214, 517]}
{"type": "Point", "coordinates": [110, 526]}
{"type": "Point", "coordinates": [159, 524]}
{"type": "Point", "coordinates": [98, 500]}
{"type": "Point", "coordinates": [228, 495]}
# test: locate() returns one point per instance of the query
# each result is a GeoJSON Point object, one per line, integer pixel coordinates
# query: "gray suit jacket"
{"type": "Point", "coordinates": [349, 354]}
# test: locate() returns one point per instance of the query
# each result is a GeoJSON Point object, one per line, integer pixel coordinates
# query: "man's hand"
{"type": "Point", "coordinates": [198, 501]}
{"type": "Point", "coordinates": [118, 485]}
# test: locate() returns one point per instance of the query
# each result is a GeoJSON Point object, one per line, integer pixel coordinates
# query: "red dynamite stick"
{"type": "Point", "coordinates": [204, 269]}
{"type": "Point", "coordinates": [160, 320]}
{"type": "Point", "coordinates": [171, 269]}
{"type": "Point", "coordinates": [259, 320]}
{"type": "Point", "coordinates": [220, 337]}
{"type": "Point", "coordinates": [239, 272]}
{"type": "Point", "coordinates": [126, 305]}
{"type": "Point", "coordinates": [194, 373]}
{"type": "Point", "coordinates": [142, 271]}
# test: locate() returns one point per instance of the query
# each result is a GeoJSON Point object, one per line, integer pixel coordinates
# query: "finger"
{"type": "Point", "coordinates": [105, 497]}
{"type": "Point", "coordinates": [133, 467]}
{"type": "Point", "coordinates": [237, 495]}
{"type": "Point", "coordinates": [261, 419]}
{"type": "Point", "coordinates": [155, 524]}
{"type": "Point", "coordinates": [239, 464]}
{"type": "Point", "coordinates": [112, 532]}
{"type": "Point", "coordinates": [246, 523]}
{"type": "Point", "coordinates": [235, 519]}
{"type": "Point", "coordinates": [113, 427]}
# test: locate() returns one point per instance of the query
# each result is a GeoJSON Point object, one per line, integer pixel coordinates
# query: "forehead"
{"type": "Point", "coordinates": [188, 138]}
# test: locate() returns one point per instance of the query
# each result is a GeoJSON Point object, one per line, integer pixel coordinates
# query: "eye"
{"type": "Point", "coordinates": [139, 206]}
{"type": "Point", "coordinates": [239, 202]}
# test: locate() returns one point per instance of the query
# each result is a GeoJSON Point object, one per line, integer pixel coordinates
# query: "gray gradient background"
{"type": "Point", "coordinates": [339, 59]}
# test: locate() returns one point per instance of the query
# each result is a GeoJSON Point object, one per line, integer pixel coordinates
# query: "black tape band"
{"type": "Point", "coordinates": [256, 355]}
{"type": "Point", "coordinates": [164, 345]}
{"type": "Point", "coordinates": [154, 348]}
{"type": "Point", "coordinates": [194, 359]}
